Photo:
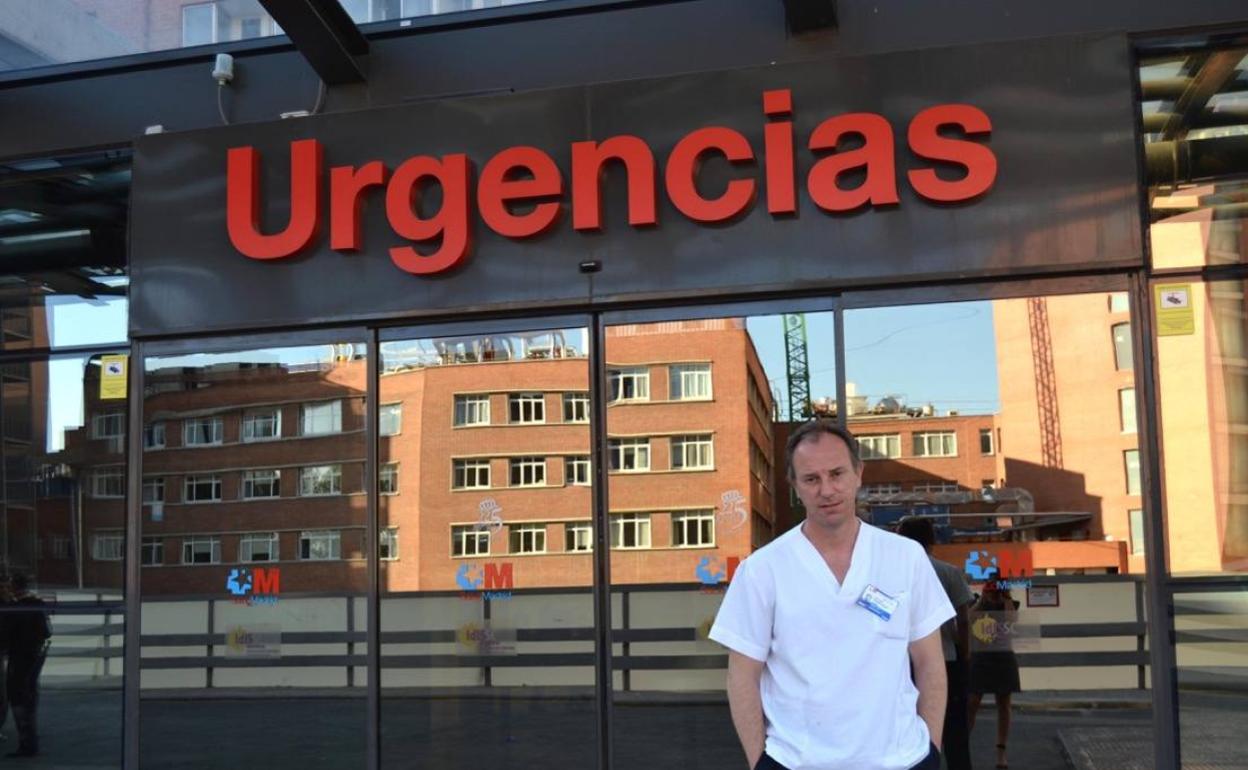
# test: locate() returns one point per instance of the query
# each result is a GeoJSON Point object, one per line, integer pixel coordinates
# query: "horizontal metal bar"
{"type": "Point", "coordinates": [1090, 630]}
{"type": "Point", "coordinates": [1082, 659]}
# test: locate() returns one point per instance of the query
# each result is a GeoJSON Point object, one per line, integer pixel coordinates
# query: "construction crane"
{"type": "Point", "coordinates": [798, 365]}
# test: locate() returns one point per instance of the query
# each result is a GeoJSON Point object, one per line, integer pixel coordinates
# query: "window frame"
{"type": "Point", "coordinates": [676, 381]}
{"type": "Point", "coordinates": [1123, 353]}
{"type": "Point", "coordinates": [249, 479]}
{"type": "Point", "coordinates": [335, 479]}
{"type": "Point", "coordinates": [189, 543]}
{"type": "Point", "coordinates": [617, 451]}
{"type": "Point", "coordinates": [190, 430]}
{"type": "Point", "coordinates": [699, 520]}
{"type": "Point", "coordinates": [867, 446]}
{"type": "Point", "coordinates": [572, 466]}
{"type": "Point", "coordinates": [104, 490]}
{"type": "Point", "coordinates": [150, 547]}
{"type": "Point", "coordinates": [155, 435]}
{"type": "Point", "coordinates": [393, 411]}
{"type": "Point", "coordinates": [306, 413]}
{"type": "Point", "coordinates": [639, 376]}
{"type": "Point", "coordinates": [462, 534]}
{"type": "Point", "coordinates": [574, 532]}
{"type": "Point", "coordinates": [464, 469]}
{"type": "Point", "coordinates": [526, 405]}
{"type": "Point", "coordinates": [272, 416]}
{"type": "Point", "coordinates": [535, 465]}
{"type": "Point", "coordinates": [681, 445]}
{"type": "Point", "coordinates": [640, 522]}
{"type": "Point", "coordinates": [574, 403]}
{"type": "Point", "coordinates": [309, 537]}
{"type": "Point", "coordinates": [519, 533]}
{"type": "Point", "coordinates": [195, 479]}
{"type": "Point", "coordinates": [927, 435]}
{"type": "Point", "coordinates": [250, 538]}
{"type": "Point", "coordinates": [388, 539]}
{"type": "Point", "coordinates": [467, 405]}
{"type": "Point", "coordinates": [388, 471]}
{"type": "Point", "coordinates": [115, 539]}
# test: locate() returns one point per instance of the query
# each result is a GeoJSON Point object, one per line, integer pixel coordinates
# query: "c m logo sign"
{"type": "Point", "coordinates": [266, 581]}
{"type": "Point", "coordinates": [1014, 564]}
{"type": "Point", "coordinates": [498, 577]}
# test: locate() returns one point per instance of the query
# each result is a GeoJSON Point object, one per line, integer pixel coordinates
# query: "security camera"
{"type": "Point", "coordinates": [223, 69]}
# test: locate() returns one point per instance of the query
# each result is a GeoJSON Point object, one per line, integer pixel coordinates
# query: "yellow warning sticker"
{"type": "Point", "coordinates": [113, 371]}
{"type": "Point", "coordinates": [1175, 314]}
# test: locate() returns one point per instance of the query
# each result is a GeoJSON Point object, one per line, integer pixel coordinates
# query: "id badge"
{"type": "Point", "coordinates": [877, 602]}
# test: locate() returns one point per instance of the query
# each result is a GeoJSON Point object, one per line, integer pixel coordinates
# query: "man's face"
{"type": "Point", "coordinates": [826, 480]}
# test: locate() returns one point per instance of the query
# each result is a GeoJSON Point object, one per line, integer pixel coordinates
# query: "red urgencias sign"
{"type": "Point", "coordinates": [527, 176]}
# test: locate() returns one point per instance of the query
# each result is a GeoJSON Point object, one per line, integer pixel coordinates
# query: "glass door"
{"type": "Point", "coordinates": [487, 557]}
{"type": "Point", "coordinates": [254, 554]}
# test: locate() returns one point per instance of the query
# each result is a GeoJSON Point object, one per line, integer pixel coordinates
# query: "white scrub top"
{"type": "Point", "coordinates": [836, 688]}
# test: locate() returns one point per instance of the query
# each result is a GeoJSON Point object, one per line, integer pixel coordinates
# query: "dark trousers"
{"type": "Point", "coordinates": [957, 743]}
{"type": "Point", "coordinates": [931, 762]}
{"type": "Point", "coordinates": [23, 694]}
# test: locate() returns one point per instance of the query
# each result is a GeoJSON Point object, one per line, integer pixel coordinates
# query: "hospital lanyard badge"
{"type": "Point", "coordinates": [878, 602]}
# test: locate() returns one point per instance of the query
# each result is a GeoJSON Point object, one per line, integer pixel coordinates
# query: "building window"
{"type": "Point", "coordinates": [526, 407]}
{"type": "Point", "coordinates": [108, 482]}
{"type": "Point", "coordinates": [154, 435]}
{"type": "Point", "coordinates": [1131, 459]}
{"type": "Point", "coordinates": [320, 419]}
{"type": "Point", "coordinates": [390, 419]}
{"type": "Point", "coordinates": [689, 382]}
{"type": "Point", "coordinates": [199, 24]}
{"type": "Point", "coordinates": [985, 441]}
{"type": "Point", "coordinates": [321, 545]}
{"type": "Point", "coordinates": [1118, 302]}
{"type": "Point", "coordinates": [201, 550]}
{"type": "Point", "coordinates": [152, 551]}
{"type": "Point", "coordinates": [62, 548]}
{"type": "Point", "coordinates": [388, 479]}
{"type": "Point", "coordinates": [693, 528]}
{"type": "Point", "coordinates": [203, 431]}
{"type": "Point", "coordinates": [631, 455]}
{"type": "Point", "coordinates": [388, 545]}
{"type": "Point", "coordinates": [467, 540]}
{"type": "Point", "coordinates": [528, 471]}
{"type": "Point", "coordinates": [578, 537]}
{"type": "Point", "coordinates": [108, 425]}
{"type": "Point", "coordinates": [692, 453]}
{"type": "Point", "coordinates": [878, 447]}
{"type": "Point", "coordinates": [262, 424]}
{"type": "Point", "coordinates": [888, 488]}
{"type": "Point", "coordinates": [108, 546]}
{"type": "Point", "coordinates": [260, 546]}
{"type": "Point", "coordinates": [153, 490]}
{"type": "Point", "coordinates": [204, 488]}
{"type": "Point", "coordinates": [261, 484]}
{"type": "Point", "coordinates": [528, 538]}
{"type": "Point", "coordinates": [936, 444]}
{"type": "Point", "coordinates": [576, 471]}
{"type": "Point", "coordinates": [630, 530]}
{"type": "Point", "coordinates": [630, 384]}
{"type": "Point", "coordinates": [470, 474]}
{"type": "Point", "coordinates": [576, 407]}
{"type": "Point", "coordinates": [316, 480]}
{"type": "Point", "coordinates": [472, 410]}
{"type": "Point", "coordinates": [1135, 516]}
{"type": "Point", "coordinates": [928, 487]}
{"type": "Point", "coordinates": [1126, 409]}
{"type": "Point", "coordinates": [1124, 355]}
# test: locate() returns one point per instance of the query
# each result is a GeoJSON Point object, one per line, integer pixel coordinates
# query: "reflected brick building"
{"type": "Point", "coordinates": [484, 463]}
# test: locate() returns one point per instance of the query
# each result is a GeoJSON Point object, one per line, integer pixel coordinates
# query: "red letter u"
{"type": "Point", "coordinates": [242, 192]}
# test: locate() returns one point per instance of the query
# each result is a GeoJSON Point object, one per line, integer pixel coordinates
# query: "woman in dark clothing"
{"type": "Point", "coordinates": [994, 666]}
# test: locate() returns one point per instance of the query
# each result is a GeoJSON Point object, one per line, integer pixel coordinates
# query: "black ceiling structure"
{"type": "Point", "coordinates": [326, 36]}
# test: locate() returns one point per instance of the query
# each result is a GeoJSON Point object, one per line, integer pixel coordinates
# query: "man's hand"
{"type": "Point", "coordinates": [928, 660]}
{"type": "Point", "coordinates": [746, 703]}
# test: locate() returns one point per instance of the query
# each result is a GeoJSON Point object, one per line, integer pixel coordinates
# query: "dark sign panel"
{"type": "Point", "coordinates": [1002, 159]}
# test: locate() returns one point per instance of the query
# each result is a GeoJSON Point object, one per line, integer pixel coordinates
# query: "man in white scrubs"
{"type": "Point", "coordinates": [823, 625]}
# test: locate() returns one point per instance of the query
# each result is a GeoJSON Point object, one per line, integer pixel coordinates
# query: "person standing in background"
{"type": "Point", "coordinates": [996, 670]}
{"type": "Point", "coordinates": [25, 632]}
{"type": "Point", "coordinates": [955, 642]}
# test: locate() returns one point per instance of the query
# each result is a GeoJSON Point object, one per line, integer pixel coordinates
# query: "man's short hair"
{"type": "Point", "coordinates": [919, 529]}
{"type": "Point", "coordinates": [811, 430]}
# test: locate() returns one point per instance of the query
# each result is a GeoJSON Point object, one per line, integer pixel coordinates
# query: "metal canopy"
{"type": "Point", "coordinates": [326, 36]}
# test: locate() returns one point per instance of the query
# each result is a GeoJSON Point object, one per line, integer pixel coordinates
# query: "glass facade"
{"type": "Point", "coordinates": [503, 542]}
